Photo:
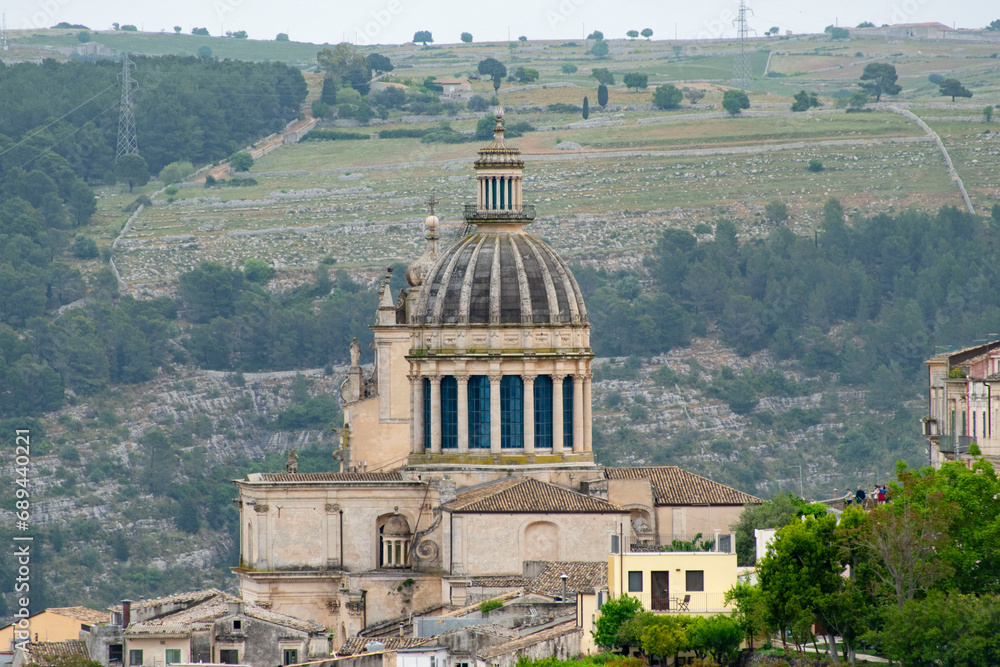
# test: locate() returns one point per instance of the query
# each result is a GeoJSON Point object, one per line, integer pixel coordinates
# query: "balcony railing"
{"type": "Point", "coordinates": [674, 543]}
{"type": "Point", "coordinates": [699, 602]}
{"type": "Point", "coordinates": [473, 213]}
{"type": "Point", "coordinates": [947, 444]}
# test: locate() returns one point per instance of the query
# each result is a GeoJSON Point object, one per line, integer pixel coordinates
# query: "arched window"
{"type": "Point", "coordinates": [426, 384]}
{"type": "Point", "coordinates": [567, 415]}
{"type": "Point", "coordinates": [543, 412]}
{"type": "Point", "coordinates": [394, 541]}
{"type": "Point", "coordinates": [479, 412]}
{"type": "Point", "coordinates": [449, 412]}
{"type": "Point", "coordinates": [511, 412]}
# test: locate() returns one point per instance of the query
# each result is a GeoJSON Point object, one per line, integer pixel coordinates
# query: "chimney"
{"type": "Point", "coordinates": [235, 608]}
{"type": "Point", "coordinates": [126, 613]}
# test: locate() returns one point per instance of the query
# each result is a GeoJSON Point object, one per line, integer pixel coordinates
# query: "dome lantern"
{"type": "Point", "coordinates": [498, 183]}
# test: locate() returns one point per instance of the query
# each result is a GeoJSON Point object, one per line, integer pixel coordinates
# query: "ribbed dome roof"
{"type": "Point", "coordinates": [396, 526]}
{"type": "Point", "coordinates": [499, 277]}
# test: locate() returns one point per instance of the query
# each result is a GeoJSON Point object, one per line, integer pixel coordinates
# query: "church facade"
{"type": "Point", "coordinates": [466, 449]}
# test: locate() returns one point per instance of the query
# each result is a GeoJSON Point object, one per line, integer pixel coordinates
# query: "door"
{"type": "Point", "coordinates": [660, 595]}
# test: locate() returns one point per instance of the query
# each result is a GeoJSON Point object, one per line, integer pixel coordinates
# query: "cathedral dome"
{"type": "Point", "coordinates": [499, 276]}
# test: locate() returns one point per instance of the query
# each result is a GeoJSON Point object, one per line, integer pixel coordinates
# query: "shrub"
{"type": "Point", "coordinates": [477, 103]}
{"type": "Point", "coordinates": [84, 247]}
{"type": "Point", "coordinates": [815, 165]}
{"type": "Point", "coordinates": [734, 101]}
{"type": "Point", "coordinates": [568, 68]}
{"type": "Point", "coordinates": [562, 107]}
{"type": "Point", "coordinates": [175, 172]}
{"type": "Point", "coordinates": [241, 161]}
{"type": "Point", "coordinates": [667, 97]}
{"type": "Point", "coordinates": [486, 606]}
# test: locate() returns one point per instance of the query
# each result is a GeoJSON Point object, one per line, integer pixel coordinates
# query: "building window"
{"type": "Point", "coordinates": [237, 624]}
{"type": "Point", "coordinates": [449, 412]}
{"type": "Point", "coordinates": [635, 582]}
{"type": "Point", "coordinates": [135, 657]}
{"type": "Point", "coordinates": [290, 656]}
{"type": "Point", "coordinates": [511, 412]}
{"type": "Point", "coordinates": [694, 580]}
{"type": "Point", "coordinates": [173, 655]}
{"type": "Point", "coordinates": [427, 412]}
{"type": "Point", "coordinates": [479, 412]}
{"type": "Point", "coordinates": [567, 414]}
{"type": "Point", "coordinates": [543, 412]}
{"type": "Point", "coordinates": [229, 656]}
{"type": "Point", "coordinates": [115, 652]}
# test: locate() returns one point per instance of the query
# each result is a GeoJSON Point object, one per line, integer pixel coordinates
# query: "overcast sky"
{"type": "Point", "coordinates": [394, 21]}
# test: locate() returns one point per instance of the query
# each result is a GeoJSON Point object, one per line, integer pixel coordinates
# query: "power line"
{"type": "Point", "coordinates": [127, 144]}
{"type": "Point", "coordinates": [742, 73]}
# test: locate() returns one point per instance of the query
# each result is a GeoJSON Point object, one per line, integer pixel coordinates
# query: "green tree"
{"type": "Point", "coordinates": [858, 99]}
{"type": "Point", "coordinates": [953, 88]}
{"type": "Point", "coordinates": [177, 29]}
{"type": "Point", "coordinates": [241, 161]}
{"type": "Point", "coordinates": [636, 80]}
{"type": "Point", "coordinates": [568, 68]}
{"type": "Point", "coordinates": [647, 33]}
{"type": "Point", "coordinates": [210, 290]}
{"type": "Point", "coordinates": [748, 609]}
{"type": "Point", "coordinates": [346, 67]}
{"type": "Point", "coordinates": [586, 108]}
{"type": "Point", "coordinates": [526, 74]}
{"type": "Point", "coordinates": [602, 95]}
{"type": "Point", "coordinates": [379, 63]}
{"type": "Point", "coordinates": [131, 169]}
{"type": "Point", "coordinates": [423, 36]}
{"type": "Point", "coordinates": [281, 37]}
{"type": "Point", "coordinates": [204, 52]}
{"type": "Point", "coordinates": [776, 212]}
{"type": "Point", "coordinates": [494, 69]}
{"type": "Point", "coordinates": [879, 79]}
{"type": "Point", "coordinates": [774, 513]}
{"type": "Point", "coordinates": [596, 35]}
{"type": "Point", "coordinates": [175, 172]}
{"type": "Point", "coordinates": [258, 271]}
{"type": "Point", "coordinates": [239, 34]}
{"type": "Point", "coordinates": [694, 95]}
{"type": "Point", "coordinates": [467, 37]}
{"type": "Point", "coordinates": [663, 636]}
{"type": "Point", "coordinates": [632, 34]}
{"type": "Point", "coordinates": [84, 247]}
{"type": "Point", "coordinates": [614, 613]}
{"type": "Point", "coordinates": [837, 33]}
{"type": "Point", "coordinates": [83, 36]}
{"type": "Point", "coordinates": [994, 25]}
{"type": "Point", "coordinates": [805, 101]}
{"type": "Point", "coordinates": [603, 76]}
{"type": "Point", "coordinates": [600, 49]}
{"type": "Point", "coordinates": [667, 96]}
{"type": "Point", "coordinates": [943, 629]}
{"type": "Point", "coordinates": [202, 32]}
{"type": "Point", "coordinates": [988, 113]}
{"type": "Point", "coordinates": [719, 636]}
{"type": "Point", "coordinates": [734, 101]}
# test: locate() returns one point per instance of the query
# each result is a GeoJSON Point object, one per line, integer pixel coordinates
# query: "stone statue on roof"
{"type": "Point", "coordinates": [292, 462]}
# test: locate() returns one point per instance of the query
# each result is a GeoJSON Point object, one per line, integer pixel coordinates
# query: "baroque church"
{"type": "Point", "coordinates": [466, 448]}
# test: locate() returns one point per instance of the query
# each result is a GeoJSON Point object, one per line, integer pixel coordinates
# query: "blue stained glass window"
{"type": "Point", "coordinates": [427, 412]}
{"type": "Point", "coordinates": [511, 412]}
{"type": "Point", "coordinates": [479, 412]}
{"type": "Point", "coordinates": [449, 412]}
{"type": "Point", "coordinates": [568, 412]}
{"type": "Point", "coordinates": [543, 412]}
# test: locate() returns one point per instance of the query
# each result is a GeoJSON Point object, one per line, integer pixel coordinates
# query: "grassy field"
{"type": "Point", "coordinates": [639, 171]}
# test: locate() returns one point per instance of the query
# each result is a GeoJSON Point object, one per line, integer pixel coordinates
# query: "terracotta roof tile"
{"type": "Point", "coordinates": [84, 614]}
{"type": "Point", "coordinates": [356, 645]}
{"type": "Point", "coordinates": [177, 598]}
{"type": "Point", "coordinates": [41, 652]}
{"type": "Point", "coordinates": [525, 494]}
{"type": "Point", "coordinates": [530, 640]}
{"type": "Point", "coordinates": [503, 581]}
{"type": "Point", "coordinates": [674, 486]}
{"type": "Point", "coordinates": [326, 477]}
{"type": "Point", "coordinates": [582, 577]}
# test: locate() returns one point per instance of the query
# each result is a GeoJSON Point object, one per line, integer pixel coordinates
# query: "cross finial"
{"type": "Point", "coordinates": [432, 202]}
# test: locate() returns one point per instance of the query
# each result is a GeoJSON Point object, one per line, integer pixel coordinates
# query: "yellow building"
{"type": "Point", "coordinates": [57, 624]}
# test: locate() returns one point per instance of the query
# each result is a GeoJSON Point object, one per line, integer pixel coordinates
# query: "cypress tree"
{"type": "Point", "coordinates": [586, 108]}
{"type": "Point", "coordinates": [602, 95]}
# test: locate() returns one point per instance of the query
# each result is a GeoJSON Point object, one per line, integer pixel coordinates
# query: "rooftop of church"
{"type": "Point", "coordinates": [526, 494]}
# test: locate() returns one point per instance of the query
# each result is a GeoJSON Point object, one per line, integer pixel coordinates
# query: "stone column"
{"type": "Point", "coordinates": [463, 413]}
{"type": "Point", "coordinates": [587, 416]}
{"type": "Point", "coordinates": [417, 414]}
{"type": "Point", "coordinates": [529, 413]}
{"type": "Point", "coordinates": [557, 413]}
{"type": "Point", "coordinates": [578, 420]}
{"type": "Point", "coordinates": [436, 414]}
{"type": "Point", "coordinates": [495, 413]}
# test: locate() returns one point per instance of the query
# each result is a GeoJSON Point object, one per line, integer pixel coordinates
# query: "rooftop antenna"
{"type": "Point", "coordinates": [742, 74]}
{"type": "Point", "coordinates": [126, 120]}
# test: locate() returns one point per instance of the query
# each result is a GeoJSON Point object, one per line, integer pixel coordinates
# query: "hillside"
{"type": "Point", "coordinates": [824, 393]}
